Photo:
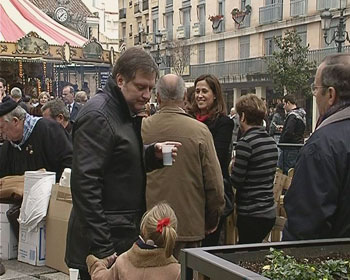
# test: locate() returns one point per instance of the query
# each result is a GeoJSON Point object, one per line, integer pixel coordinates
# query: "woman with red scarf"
{"type": "Point", "coordinates": [209, 108]}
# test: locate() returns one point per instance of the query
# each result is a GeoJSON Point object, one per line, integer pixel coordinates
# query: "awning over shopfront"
{"type": "Point", "coordinates": [20, 17]}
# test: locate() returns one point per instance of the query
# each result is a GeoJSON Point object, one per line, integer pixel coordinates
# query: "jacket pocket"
{"type": "Point", "coordinates": [124, 219]}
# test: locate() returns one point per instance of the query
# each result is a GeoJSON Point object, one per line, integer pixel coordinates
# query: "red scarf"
{"type": "Point", "coordinates": [202, 118]}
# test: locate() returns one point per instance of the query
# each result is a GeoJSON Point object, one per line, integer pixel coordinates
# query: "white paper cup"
{"type": "Point", "coordinates": [73, 274]}
{"type": "Point", "coordinates": [167, 157]}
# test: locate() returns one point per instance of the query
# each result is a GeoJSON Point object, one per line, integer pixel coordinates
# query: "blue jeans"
{"type": "Point", "coordinates": [287, 159]}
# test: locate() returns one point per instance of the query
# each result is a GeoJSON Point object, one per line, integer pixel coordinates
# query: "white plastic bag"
{"type": "Point", "coordinates": [36, 197]}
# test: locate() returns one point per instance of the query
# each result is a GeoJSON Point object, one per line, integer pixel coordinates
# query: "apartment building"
{"type": "Point", "coordinates": [223, 44]}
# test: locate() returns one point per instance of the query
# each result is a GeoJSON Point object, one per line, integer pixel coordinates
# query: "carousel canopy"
{"type": "Point", "coordinates": [19, 17]}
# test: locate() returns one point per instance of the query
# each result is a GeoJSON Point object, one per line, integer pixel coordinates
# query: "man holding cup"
{"type": "Point", "coordinates": [193, 185]}
{"type": "Point", "coordinates": [109, 162]}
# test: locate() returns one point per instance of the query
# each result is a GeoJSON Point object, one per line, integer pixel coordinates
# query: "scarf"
{"type": "Point", "coordinates": [202, 118]}
{"type": "Point", "coordinates": [28, 126]}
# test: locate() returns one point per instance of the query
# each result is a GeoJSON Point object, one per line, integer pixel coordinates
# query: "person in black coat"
{"type": "Point", "coordinates": [108, 178]}
{"type": "Point", "coordinates": [73, 107]}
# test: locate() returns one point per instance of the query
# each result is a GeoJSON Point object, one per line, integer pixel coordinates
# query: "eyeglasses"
{"type": "Point", "coordinates": [314, 87]}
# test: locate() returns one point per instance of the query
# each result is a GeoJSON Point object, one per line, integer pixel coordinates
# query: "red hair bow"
{"type": "Point", "coordinates": [162, 223]}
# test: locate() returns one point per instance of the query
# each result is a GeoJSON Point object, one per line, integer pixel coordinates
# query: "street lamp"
{"type": "Point", "coordinates": [340, 35]}
{"type": "Point", "coordinates": [158, 58]}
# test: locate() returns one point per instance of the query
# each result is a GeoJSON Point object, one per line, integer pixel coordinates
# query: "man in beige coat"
{"type": "Point", "coordinates": [193, 185]}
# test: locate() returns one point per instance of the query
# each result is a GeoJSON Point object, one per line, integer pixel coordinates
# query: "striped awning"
{"type": "Point", "coordinates": [19, 17]}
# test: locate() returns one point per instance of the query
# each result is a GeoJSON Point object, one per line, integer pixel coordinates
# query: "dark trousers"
{"type": "Point", "coordinates": [84, 275]}
{"type": "Point", "coordinates": [252, 229]}
{"type": "Point", "coordinates": [213, 238]}
{"type": "Point", "coordinates": [287, 159]}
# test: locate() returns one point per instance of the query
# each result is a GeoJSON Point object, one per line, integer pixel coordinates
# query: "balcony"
{"type": "Point", "coordinates": [122, 13]}
{"type": "Point", "coordinates": [136, 40]}
{"type": "Point", "coordinates": [298, 8]}
{"type": "Point", "coordinates": [180, 32]}
{"type": "Point", "coordinates": [271, 13]}
{"type": "Point", "coordinates": [330, 4]}
{"type": "Point", "coordinates": [250, 66]}
{"type": "Point", "coordinates": [144, 5]}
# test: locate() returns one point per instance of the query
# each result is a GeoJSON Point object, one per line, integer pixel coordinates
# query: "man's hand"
{"type": "Point", "coordinates": [158, 149]}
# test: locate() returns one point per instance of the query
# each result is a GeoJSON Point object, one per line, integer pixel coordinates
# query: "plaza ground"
{"type": "Point", "coordinates": [22, 271]}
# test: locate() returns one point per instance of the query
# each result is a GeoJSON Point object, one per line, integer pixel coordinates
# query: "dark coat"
{"type": "Point", "coordinates": [75, 110]}
{"type": "Point", "coordinates": [108, 178]}
{"type": "Point", "coordinates": [47, 147]}
{"type": "Point", "coordinates": [294, 127]}
{"type": "Point", "coordinates": [318, 200]}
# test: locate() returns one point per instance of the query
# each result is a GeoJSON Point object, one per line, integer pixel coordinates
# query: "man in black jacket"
{"type": "Point", "coordinates": [108, 174]}
{"type": "Point", "coordinates": [292, 133]}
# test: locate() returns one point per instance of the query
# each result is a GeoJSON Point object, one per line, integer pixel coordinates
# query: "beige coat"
{"type": "Point", "coordinates": [136, 264]}
{"type": "Point", "coordinates": [193, 186]}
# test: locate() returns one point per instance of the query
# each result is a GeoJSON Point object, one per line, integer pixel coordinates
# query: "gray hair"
{"type": "Point", "coordinates": [171, 91]}
{"type": "Point", "coordinates": [337, 76]}
{"type": "Point", "coordinates": [56, 107]}
{"type": "Point", "coordinates": [16, 92]}
{"type": "Point", "coordinates": [18, 113]}
{"type": "Point", "coordinates": [132, 60]}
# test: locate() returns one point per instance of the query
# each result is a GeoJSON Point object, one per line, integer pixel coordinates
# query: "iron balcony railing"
{"type": "Point", "coordinates": [298, 7]}
{"type": "Point", "coordinates": [250, 65]}
{"type": "Point", "coordinates": [330, 4]}
{"type": "Point", "coordinates": [270, 13]}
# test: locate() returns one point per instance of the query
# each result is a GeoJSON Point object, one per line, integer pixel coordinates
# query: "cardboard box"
{"type": "Point", "coordinates": [31, 245]}
{"type": "Point", "coordinates": [8, 242]}
{"type": "Point", "coordinates": [3, 209]}
{"type": "Point", "coordinates": [56, 227]}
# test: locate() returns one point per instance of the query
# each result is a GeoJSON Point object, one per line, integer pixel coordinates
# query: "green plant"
{"type": "Point", "coordinates": [281, 266]}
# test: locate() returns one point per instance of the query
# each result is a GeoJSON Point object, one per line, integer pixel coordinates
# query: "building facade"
{"type": "Point", "coordinates": [228, 38]}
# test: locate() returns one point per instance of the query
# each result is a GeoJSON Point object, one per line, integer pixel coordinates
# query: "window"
{"type": "Point", "coordinates": [246, 22]}
{"type": "Point", "coordinates": [221, 12]}
{"type": "Point", "coordinates": [130, 30]}
{"type": "Point", "coordinates": [270, 45]}
{"type": "Point", "coordinates": [302, 32]}
{"type": "Point", "coordinates": [221, 50]}
{"type": "Point", "coordinates": [187, 21]}
{"type": "Point", "coordinates": [169, 25]}
{"type": "Point", "coordinates": [155, 25]}
{"type": "Point", "coordinates": [244, 47]}
{"type": "Point", "coordinates": [201, 53]}
{"type": "Point", "coordinates": [201, 18]}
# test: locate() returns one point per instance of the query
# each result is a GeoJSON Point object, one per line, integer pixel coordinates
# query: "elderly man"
{"type": "Point", "coordinates": [318, 201]}
{"type": "Point", "coordinates": [31, 143]}
{"type": "Point", "coordinates": [57, 111]}
{"type": "Point", "coordinates": [193, 186]}
{"type": "Point", "coordinates": [73, 107]}
{"type": "Point", "coordinates": [108, 174]}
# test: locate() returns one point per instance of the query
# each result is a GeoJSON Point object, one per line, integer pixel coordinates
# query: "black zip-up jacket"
{"type": "Point", "coordinates": [108, 178]}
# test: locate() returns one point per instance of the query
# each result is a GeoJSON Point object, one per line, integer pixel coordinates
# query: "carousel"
{"type": "Point", "coordinates": [39, 54]}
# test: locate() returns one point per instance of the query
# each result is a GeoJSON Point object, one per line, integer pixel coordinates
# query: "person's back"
{"type": "Point", "coordinates": [194, 184]}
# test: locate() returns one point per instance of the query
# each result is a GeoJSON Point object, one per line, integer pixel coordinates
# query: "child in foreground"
{"type": "Point", "coordinates": [151, 255]}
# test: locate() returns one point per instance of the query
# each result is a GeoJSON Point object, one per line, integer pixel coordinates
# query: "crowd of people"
{"type": "Point", "coordinates": [113, 143]}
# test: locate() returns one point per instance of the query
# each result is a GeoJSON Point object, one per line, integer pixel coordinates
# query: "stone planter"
{"type": "Point", "coordinates": [221, 262]}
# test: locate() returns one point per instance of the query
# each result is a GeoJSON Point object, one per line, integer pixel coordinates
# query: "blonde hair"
{"type": "Point", "coordinates": [167, 237]}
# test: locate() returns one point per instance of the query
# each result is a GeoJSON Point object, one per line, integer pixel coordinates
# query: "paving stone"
{"type": "Point", "coordinates": [54, 276]}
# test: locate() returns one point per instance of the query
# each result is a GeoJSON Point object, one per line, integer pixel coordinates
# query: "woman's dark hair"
{"type": "Point", "coordinates": [219, 107]}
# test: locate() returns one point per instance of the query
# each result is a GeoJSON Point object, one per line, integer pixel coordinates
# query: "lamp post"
{"type": "Point", "coordinates": [158, 58]}
{"type": "Point", "coordinates": [340, 35]}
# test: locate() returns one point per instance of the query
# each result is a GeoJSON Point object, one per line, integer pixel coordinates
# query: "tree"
{"type": "Point", "coordinates": [180, 55]}
{"type": "Point", "coordinates": [289, 66]}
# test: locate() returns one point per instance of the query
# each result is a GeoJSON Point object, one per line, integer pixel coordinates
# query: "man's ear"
{"type": "Point", "coordinates": [242, 118]}
{"type": "Point", "coordinates": [60, 117]}
{"type": "Point", "coordinates": [159, 100]}
{"type": "Point", "coordinates": [120, 80]}
{"type": "Point", "coordinates": [332, 96]}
